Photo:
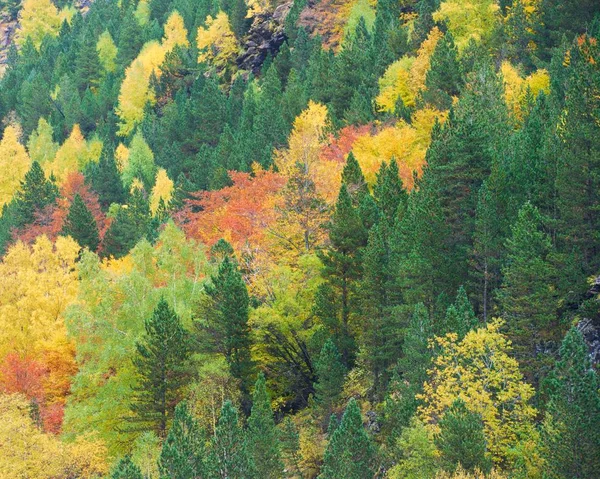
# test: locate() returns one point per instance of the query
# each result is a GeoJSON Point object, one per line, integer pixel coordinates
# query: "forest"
{"type": "Point", "coordinates": [303, 239]}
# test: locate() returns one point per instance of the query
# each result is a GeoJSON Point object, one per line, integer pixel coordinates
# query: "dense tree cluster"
{"type": "Point", "coordinates": [367, 257]}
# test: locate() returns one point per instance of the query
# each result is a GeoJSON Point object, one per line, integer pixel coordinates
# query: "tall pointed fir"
{"type": "Point", "coordinates": [230, 457]}
{"type": "Point", "coordinates": [81, 225]}
{"type": "Point", "coordinates": [389, 192]}
{"type": "Point", "coordinates": [353, 178]}
{"type": "Point", "coordinates": [263, 436]}
{"type": "Point", "coordinates": [126, 469]}
{"type": "Point", "coordinates": [571, 429]}
{"type": "Point", "coordinates": [226, 322]}
{"type": "Point", "coordinates": [183, 453]}
{"type": "Point", "coordinates": [350, 453]}
{"type": "Point", "coordinates": [460, 317]}
{"type": "Point", "coordinates": [162, 368]}
{"type": "Point", "coordinates": [331, 375]}
{"type": "Point", "coordinates": [527, 297]}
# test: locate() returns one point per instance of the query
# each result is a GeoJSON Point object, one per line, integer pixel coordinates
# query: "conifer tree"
{"type": "Point", "coordinates": [350, 453]}
{"type": "Point", "coordinates": [36, 192]}
{"type": "Point", "coordinates": [81, 225]}
{"type": "Point", "coordinates": [162, 369]}
{"type": "Point", "coordinates": [460, 317]}
{"type": "Point", "coordinates": [444, 77]}
{"type": "Point", "coordinates": [126, 469]}
{"type": "Point", "coordinates": [230, 457]}
{"type": "Point", "coordinates": [183, 453]}
{"type": "Point", "coordinates": [527, 297]}
{"type": "Point", "coordinates": [331, 375]}
{"type": "Point", "coordinates": [227, 321]}
{"type": "Point", "coordinates": [389, 192]}
{"type": "Point", "coordinates": [263, 437]}
{"type": "Point", "coordinates": [461, 440]}
{"type": "Point", "coordinates": [353, 178]}
{"type": "Point", "coordinates": [87, 65]}
{"type": "Point", "coordinates": [571, 433]}
{"type": "Point", "coordinates": [105, 180]}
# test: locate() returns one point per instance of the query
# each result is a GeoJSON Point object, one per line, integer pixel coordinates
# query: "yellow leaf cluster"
{"type": "Point", "coordinates": [37, 19]}
{"type": "Point", "coordinates": [28, 453]}
{"type": "Point", "coordinates": [460, 473]}
{"type": "Point", "coordinates": [14, 163]}
{"type": "Point", "coordinates": [468, 19]}
{"type": "Point", "coordinates": [107, 51]}
{"type": "Point", "coordinates": [142, 12]}
{"type": "Point", "coordinates": [406, 77]}
{"type": "Point", "coordinates": [73, 155]}
{"type": "Point", "coordinates": [122, 157]}
{"type": "Point", "coordinates": [480, 371]}
{"type": "Point", "coordinates": [162, 190]}
{"type": "Point", "coordinates": [36, 285]}
{"type": "Point", "coordinates": [217, 43]}
{"type": "Point", "coordinates": [517, 88]}
{"type": "Point", "coordinates": [407, 143]}
{"type": "Point", "coordinates": [41, 145]}
{"type": "Point", "coordinates": [135, 89]}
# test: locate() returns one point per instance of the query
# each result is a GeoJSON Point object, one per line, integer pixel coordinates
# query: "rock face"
{"type": "Point", "coordinates": [8, 27]}
{"type": "Point", "coordinates": [265, 37]}
{"type": "Point", "coordinates": [590, 327]}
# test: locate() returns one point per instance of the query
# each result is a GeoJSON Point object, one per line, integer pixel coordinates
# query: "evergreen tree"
{"type": "Point", "coordinates": [81, 225]}
{"type": "Point", "coordinates": [353, 178]}
{"type": "Point", "coordinates": [183, 453]}
{"type": "Point", "coordinates": [331, 375]}
{"type": "Point", "coordinates": [461, 440]}
{"type": "Point", "coordinates": [36, 192]}
{"type": "Point", "coordinates": [527, 297]}
{"type": "Point", "coordinates": [230, 457]}
{"type": "Point", "coordinates": [571, 433]}
{"type": "Point", "coordinates": [87, 65]}
{"type": "Point", "coordinates": [227, 322]}
{"type": "Point", "coordinates": [350, 453]}
{"type": "Point", "coordinates": [162, 369]}
{"type": "Point", "coordinates": [389, 192]}
{"type": "Point", "coordinates": [342, 262]}
{"type": "Point", "coordinates": [460, 317]}
{"type": "Point", "coordinates": [105, 180]}
{"type": "Point", "coordinates": [126, 469]}
{"type": "Point", "coordinates": [263, 437]}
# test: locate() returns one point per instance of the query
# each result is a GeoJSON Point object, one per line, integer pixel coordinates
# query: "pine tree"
{"type": "Point", "coordinates": [571, 433]}
{"type": "Point", "coordinates": [342, 262]}
{"type": "Point", "coordinates": [81, 225]}
{"type": "Point", "coordinates": [183, 453]}
{"type": "Point", "coordinates": [444, 77]}
{"type": "Point", "coordinates": [350, 453]}
{"type": "Point", "coordinates": [227, 321]}
{"type": "Point", "coordinates": [87, 65]}
{"type": "Point", "coordinates": [462, 441]}
{"type": "Point", "coordinates": [263, 436]}
{"type": "Point", "coordinates": [162, 370]}
{"type": "Point", "coordinates": [36, 192]}
{"type": "Point", "coordinates": [230, 457]}
{"type": "Point", "coordinates": [460, 317]}
{"type": "Point", "coordinates": [126, 469]}
{"type": "Point", "coordinates": [389, 192]}
{"type": "Point", "coordinates": [105, 180]}
{"type": "Point", "coordinates": [353, 178]}
{"type": "Point", "coordinates": [527, 297]}
{"type": "Point", "coordinates": [331, 374]}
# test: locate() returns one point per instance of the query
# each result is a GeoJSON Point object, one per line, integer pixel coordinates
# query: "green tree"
{"type": "Point", "coordinates": [230, 457]}
{"type": "Point", "coordinates": [571, 432]}
{"type": "Point", "coordinates": [462, 441]}
{"type": "Point", "coordinates": [105, 180]}
{"type": "Point", "coordinates": [226, 322]}
{"type": "Point", "coordinates": [389, 192]}
{"type": "Point", "coordinates": [183, 453]}
{"type": "Point", "coordinates": [162, 369]}
{"type": "Point", "coordinates": [444, 77]}
{"type": "Point", "coordinates": [126, 469]}
{"type": "Point", "coordinates": [460, 317]}
{"type": "Point", "coordinates": [353, 178]}
{"type": "Point", "coordinates": [263, 436]}
{"type": "Point", "coordinates": [36, 192]}
{"type": "Point", "coordinates": [81, 225]}
{"type": "Point", "coordinates": [527, 297]}
{"type": "Point", "coordinates": [331, 374]}
{"type": "Point", "coordinates": [350, 453]}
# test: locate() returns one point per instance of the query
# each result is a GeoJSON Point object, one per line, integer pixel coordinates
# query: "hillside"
{"type": "Point", "coordinates": [264, 239]}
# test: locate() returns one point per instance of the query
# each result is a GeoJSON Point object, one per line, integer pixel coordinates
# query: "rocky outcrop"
{"type": "Point", "coordinates": [590, 326]}
{"type": "Point", "coordinates": [8, 27]}
{"type": "Point", "coordinates": [266, 35]}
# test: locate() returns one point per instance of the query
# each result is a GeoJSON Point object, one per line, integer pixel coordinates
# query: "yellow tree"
{"type": "Point", "coordinates": [468, 19]}
{"type": "Point", "coordinates": [72, 156]}
{"type": "Point", "coordinates": [216, 43]}
{"type": "Point", "coordinates": [480, 371]}
{"type": "Point", "coordinates": [517, 88]}
{"type": "Point", "coordinates": [37, 19]}
{"type": "Point", "coordinates": [175, 32]}
{"type": "Point", "coordinates": [28, 453]}
{"type": "Point", "coordinates": [14, 163]}
{"type": "Point", "coordinates": [107, 51]}
{"type": "Point", "coordinates": [163, 190]}
{"type": "Point", "coordinates": [41, 145]}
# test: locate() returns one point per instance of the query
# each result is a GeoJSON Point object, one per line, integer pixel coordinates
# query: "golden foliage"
{"type": "Point", "coordinates": [28, 453]}
{"type": "Point", "coordinates": [73, 155]}
{"type": "Point", "coordinates": [217, 44]}
{"type": "Point", "coordinates": [480, 371]}
{"type": "Point", "coordinates": [517, 88]}
{"type": "Point", "coordinates": [41, 145]}
{"type": "Point", "coordinates": [37, 19]}
{"type": "Point", "coordinates": [405, 78]}
{"type": "Point", "coordinates": [175, 32]}
{"type": "Point", "coordinates": [14, 163]}
{"type": "Point", "coordinates": [163, 190]}
{"type": "Point", "coordinates": [460, 473]}
{"type": "Point", "coordinates": [142, 12]}
{"type": "Point", "coordinates": [468, 19]}
{"type": "Point", "coordinates": [407, 143]}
